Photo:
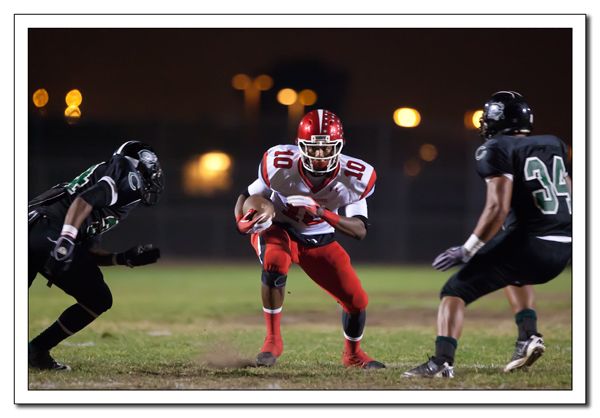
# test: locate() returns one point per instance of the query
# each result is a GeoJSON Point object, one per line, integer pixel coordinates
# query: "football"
{"type": "Point", "coordinates": [260, 204]}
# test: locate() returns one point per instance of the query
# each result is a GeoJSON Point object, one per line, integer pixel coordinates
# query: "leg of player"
{"type": "Point", "coordinates": [529, 345]}
{"type": "Point", "coordinates": [450, 319]}
{"type": "Point", "coordinates": [93, 298]}
{"type": "Point", "coordinates": [272, 299]}
{"type": "Point", "coordinates": [329, 266]}
{"type": "Point", "coordinates": [274, 251]}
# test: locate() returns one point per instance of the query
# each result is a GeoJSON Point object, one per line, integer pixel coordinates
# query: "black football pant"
{"type": "Point", "coordinates": [511, 258]}
{"type": "Point", "coordinates": [83, 281]}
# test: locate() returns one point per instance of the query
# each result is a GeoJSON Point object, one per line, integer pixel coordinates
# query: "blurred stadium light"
{"type": "Point", "coordinates": [287, 97]}
{"type": "Point", "coordinates": [207, 174]}
{"type": "Point", "coordinates": [307, 97]}
{"type": "Point", "coordinates": [74, 98]}
{"type": "Point", "coordinates": [407, 117]}
{"type": "Point", "coordinates": [428, 152]}
{"type": "Point", "coordinates": [251, 88]}
{"type": "Point", "coordinates": [471, 119]}
{"type": "Point", "coordinates": [40, 98]}
{"type": "Point", "coordinates": [412, 167]}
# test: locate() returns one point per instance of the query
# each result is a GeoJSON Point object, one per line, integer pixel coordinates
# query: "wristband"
{"type": "Point", "coordinates": [473, 245]}
{"type": "Point", "coordinates": [69, 230]}
{"type": "Point", "coordinates": [331, 218]}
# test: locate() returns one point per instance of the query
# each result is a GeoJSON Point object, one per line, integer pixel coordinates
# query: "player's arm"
{"type": "Point", "coordinates": [139, 255]}
{"type": "Point", "coordinates": [103, 193]}
{"type": "Point", "coordinates": [497, 206]}
{"type": "Point", "coordinates": [354, 225]}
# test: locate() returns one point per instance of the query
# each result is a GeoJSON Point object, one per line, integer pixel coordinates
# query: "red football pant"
{"type": "Point", "coordinates": [329, 266]}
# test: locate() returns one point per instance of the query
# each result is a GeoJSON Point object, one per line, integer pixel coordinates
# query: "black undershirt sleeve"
{"type": "Point", "coordinates": [364, 220]}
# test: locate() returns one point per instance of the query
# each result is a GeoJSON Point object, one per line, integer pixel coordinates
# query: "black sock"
{"type": "Point", "coordinates": [354, 323]}
{"type": "Point", "coordinates": [444, 349]}
{"type": "Point", "coordinates": [73, 319]}
{"type": "Point", "coordinates": [527, 323]}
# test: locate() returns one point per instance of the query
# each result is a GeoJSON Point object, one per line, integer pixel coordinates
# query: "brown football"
{"type": "Point", "coordinates": [260, 204]}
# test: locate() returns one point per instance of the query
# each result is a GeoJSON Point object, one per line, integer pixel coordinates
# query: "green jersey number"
{"type": "Point", "coordinates": [547, 198]}
{"type": "Point", "coordinates": [81, 179]}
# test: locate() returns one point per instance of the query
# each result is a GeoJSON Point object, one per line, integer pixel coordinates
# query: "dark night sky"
{"type": "Point", "coordinates": [185, 74]}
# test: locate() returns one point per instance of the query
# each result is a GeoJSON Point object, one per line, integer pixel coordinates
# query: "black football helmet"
{"type": "Point", "coordinates": [145, 160]}
{"type": "Point", "coordinates": [505, 113]}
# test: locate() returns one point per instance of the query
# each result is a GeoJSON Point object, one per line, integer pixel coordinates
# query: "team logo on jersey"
{"type": "Point", "coordinates": [480, 152]}
{"type": "Point", "coordinates": [495, 111]}
{"type": "Point", "coordinates": [134, 181]}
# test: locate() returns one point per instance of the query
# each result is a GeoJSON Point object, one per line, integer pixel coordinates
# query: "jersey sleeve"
{"type": "Point", "coordinates": [120, 181]}
{"type": "Point", "coordinates": [275, 163]}
{"type": "Point", "coordinates": [492, 160]}
{"type": "Point", "coordinates": [357, 209]}
{"type": "Point", "coordinates": [259, 187]}
{"type": "Point", "coordinates": [360, 178]}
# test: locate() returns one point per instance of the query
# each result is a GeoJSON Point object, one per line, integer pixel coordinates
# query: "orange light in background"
{"type": "Point", "coordinates": [241, 82]}
{"type": "Point", "coordinates": [74, 98]}
{"type": "Point", "coordinates": [207, 174]}
{"type": "Point", "coordinates": [307, 97]}
{"type": "Point", "coordinates": [412, 167]}
{"type": "Point", "coordinates": [40, 98]}
{"type": "Point", "coordinates": [407, 117]}
{"type": "Point", "coordinates": [287, 96]}
{"type": "Point", "coordinates": [263, 82]}
{"type": "Point", "coordinates": [428, 152]}
{"type": "Point", "coordinates": [73, 112]}
{"type": "Point", "coordinates": [471, 119]}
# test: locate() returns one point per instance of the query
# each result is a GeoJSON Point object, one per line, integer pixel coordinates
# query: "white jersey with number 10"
{"type": "Point", "coordinates": [281, 174]}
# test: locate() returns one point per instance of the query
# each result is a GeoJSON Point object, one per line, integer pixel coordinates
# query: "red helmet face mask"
{"type": "Point", "coordinates": [320, 140]}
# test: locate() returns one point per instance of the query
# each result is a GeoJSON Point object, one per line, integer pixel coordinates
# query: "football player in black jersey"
{"type": "Point", "coordinates": [65, 224]}
{"type": "Point", "coordinates": [523, 236]}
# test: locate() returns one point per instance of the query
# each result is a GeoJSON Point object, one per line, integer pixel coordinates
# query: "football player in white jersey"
{"type": "Point", "coordinates": [308, 183]}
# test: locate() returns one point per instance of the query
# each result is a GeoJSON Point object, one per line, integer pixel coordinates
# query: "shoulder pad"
{"type": "Point", "coordinates": [359, 176]}
{"type": "Point", "coordinates": [276, 161]}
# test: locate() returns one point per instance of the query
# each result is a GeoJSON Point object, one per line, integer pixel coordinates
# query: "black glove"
{"type": "Point", "coordinates": [138, 256]}
{"type": "Point", "coordinates": [61, 256]}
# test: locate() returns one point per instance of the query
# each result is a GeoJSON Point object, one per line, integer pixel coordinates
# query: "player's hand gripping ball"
{"type": "Point", "coordinates": [258, 215]}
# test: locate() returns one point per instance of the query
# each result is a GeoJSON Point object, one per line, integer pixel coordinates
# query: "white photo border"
{"type": "Point", "coordinates": [577, 22]}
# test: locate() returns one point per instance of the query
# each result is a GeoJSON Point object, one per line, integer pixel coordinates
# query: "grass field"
{"type": "Point", "coordinates": [200, 327]}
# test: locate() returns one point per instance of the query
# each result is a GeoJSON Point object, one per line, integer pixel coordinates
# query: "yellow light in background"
{"type": "Point", "coordinates": [73, 98]}
{"type": "Point", "coordinates": [214, 162]}
{"type": "Point", "coordinates": [476, 118]}
{"type": "Point", "coordinates": [407, 117]}
{"type": "Point", "coordinates": [287, 97]}
{"type": "Point", "coordinates": [412, 167]}
{"type": "Point", "coordinates": [428, 152]}
{"type": "Point", "coordinates": [241, 82]}
{"type": "Point", "coordinates": [471, 119]}
{"type": "Point", "coordinates": [307, 97]}
{"type": "Point", "coordinates": [40, 98]}
{"type": "Point", "coordinates": [263, 82]}
{"type": "Point", "coordinates": [207, 174]}
{"type": "Point", "coordinates": [73, 112]}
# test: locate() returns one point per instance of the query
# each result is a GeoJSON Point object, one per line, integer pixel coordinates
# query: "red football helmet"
{"type": "Point", "coordinates": [320, 139]}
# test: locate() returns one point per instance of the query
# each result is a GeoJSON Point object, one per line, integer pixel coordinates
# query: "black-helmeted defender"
{"type": "Point", "coordinates": [523, 236]}
{"type": "Point", "coordinates": [65, 224]}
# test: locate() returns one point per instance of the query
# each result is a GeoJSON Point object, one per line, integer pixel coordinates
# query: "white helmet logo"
{"type": "Point", "coordinates": [495, 111]}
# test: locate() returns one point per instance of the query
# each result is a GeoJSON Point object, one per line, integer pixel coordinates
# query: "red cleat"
{"type": "Point", "coordinates": [271, 349]}
{"type": "Point", "coordinates": [361, 360]}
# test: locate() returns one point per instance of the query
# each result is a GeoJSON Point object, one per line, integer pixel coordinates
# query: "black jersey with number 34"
{"type": "Point", "coordinates": [111, 187]}
{"type": "Point", "coordinates": [541, 200]}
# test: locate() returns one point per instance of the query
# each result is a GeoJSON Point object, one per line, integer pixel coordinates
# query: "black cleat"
{"type": "Point", "coordinates": [374, 365]}
{"type": "Point", "coordinates": [41, 359]}
{"type": "Point", "coordinates": [526, 353]}
{"type": "Point", "coordinates": [431, 369]}
{"type": "Point", "coordinates": [265, 359]}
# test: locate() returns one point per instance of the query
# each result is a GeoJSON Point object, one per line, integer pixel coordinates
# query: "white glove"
{"type": "Point", "coordinates": [261, 226]}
